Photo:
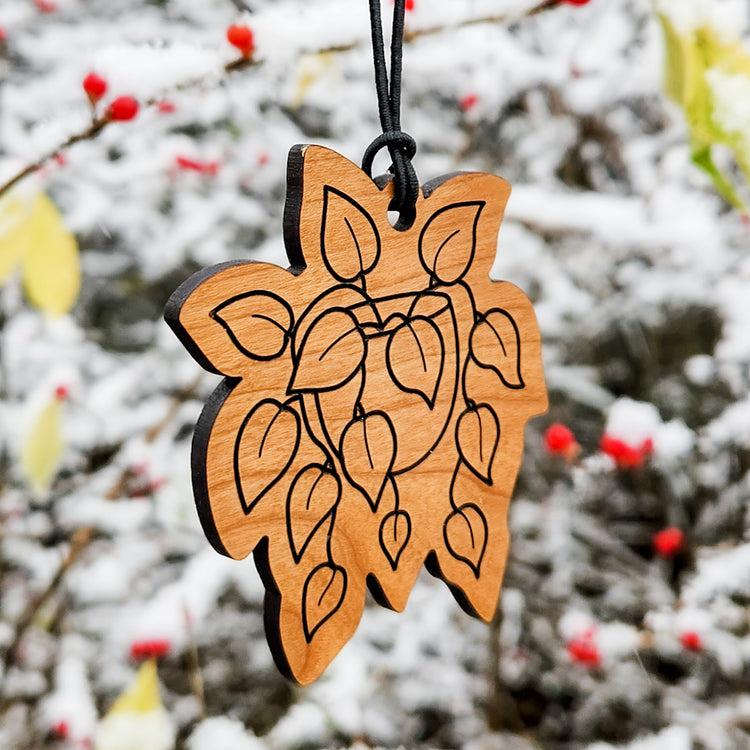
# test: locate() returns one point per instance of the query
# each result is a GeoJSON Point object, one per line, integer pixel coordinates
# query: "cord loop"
{"type": "Point", "coordinates": [400, 145]}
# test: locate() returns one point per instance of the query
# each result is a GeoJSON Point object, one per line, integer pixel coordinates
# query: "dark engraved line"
{"type": "Point", "coordinates": [479, 420]}
{"type": "Point", "coordinates": [480, 205]}
{"type": "Point", "coordinates": [340, 338]}
{"type": "Point", "coordinates": [451, 499]}
{"type": "Point", "coordinates": [471, 531]}
{"type": "Point", "coordinates": [270, 320]}
{"type": "Point", "coordinates": [180, 297]}
{"type": "Point", "coordinates": [268, 429]}
{"type": "Point", "coordinates": [325, 590]}
{"type": "Point", "coordinates": [334, 569]}
{"type": "Point", "coordinates": [247, 507]}
{"type": "Point", "coordinates": [456, 359]}
{"type": "Point", "coordinates": [419, 346]}
{"type": "Point", "coordinates": [327, 189]}
{"type": "Point", "coordinates": [499, 340]}
{"type": "Point", "coordinates": [215, 315]}
{"type": "Point", "coordinates": [356, 244]}
{"type": "Point", "coordinates": [473, 355]}
{"type": "Point", "coordinates": [298, 554]}
{"type": "Point", "coordinates": [312, 490]}
{"type": "Point", "coordinates": [367, 445]}
{"type": "Point", "coordinates": [444, 243]}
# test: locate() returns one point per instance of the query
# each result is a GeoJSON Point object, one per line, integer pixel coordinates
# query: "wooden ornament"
{"type": "Point", "coordinates": [372, 412]}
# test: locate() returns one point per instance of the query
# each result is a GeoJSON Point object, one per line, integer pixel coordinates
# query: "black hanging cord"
{"type": "Point", "coordinates": [401, 146]}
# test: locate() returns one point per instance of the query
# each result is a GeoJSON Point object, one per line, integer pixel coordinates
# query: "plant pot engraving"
{"type": "Point", "coordinates": [371, 416]}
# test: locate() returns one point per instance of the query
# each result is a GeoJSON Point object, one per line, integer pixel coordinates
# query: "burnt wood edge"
{"type": "Point", "coordinates": [180, 296]}
{"type": "Point", "coordinates": [198, 453]}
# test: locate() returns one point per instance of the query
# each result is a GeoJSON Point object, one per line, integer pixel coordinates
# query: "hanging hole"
{"type": "Point", "coordinates": [402, 220]}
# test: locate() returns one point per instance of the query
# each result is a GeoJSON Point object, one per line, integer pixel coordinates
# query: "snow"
{"type": "Point", "coordinates": [639, 275]}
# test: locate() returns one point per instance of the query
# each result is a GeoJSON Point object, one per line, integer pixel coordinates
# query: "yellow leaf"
{"type": "Point", "coordinates": [43, 446]}
{"type": "Point", "coordinates": [142, 696]}
{"type": "Point", "coordinates": [679, 68]}
{"type": "Point", "coordinates": [15, 235]}
{"type": "Point", "coordinates": [52, 274]}
{"type": "Point", "coordinates": [137, 720]}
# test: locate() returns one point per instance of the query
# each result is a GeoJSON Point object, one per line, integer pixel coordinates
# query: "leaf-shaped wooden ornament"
{"type": "Point", "coordinates": [356, 436]}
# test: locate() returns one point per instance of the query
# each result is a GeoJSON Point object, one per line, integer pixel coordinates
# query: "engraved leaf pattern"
{"type": "Point", "coordinates": [415, 357]}
{"type": "Point", "coordinates": [368, 450]}
{"type": "Point", "coordinates": [322, 595]}
{"type": "Point", "coordinates": [465, 534]}
{"type": "Point", "coordinates": [477, 437]}
{"type": "Point", "coordinates": [395, 531]}
{"type": "Point", "coordinates": [496, 344]}
{"type": "Point", "coordinates": [350, 242]}
{"type": "Point", "coordinates": [314, 494]}
{"type": "Point", "coordinates": [258, 323]}
{"type": "Point", "coordinates": [448, 241]}
{"type": "Point", "coordinates": [365, 441]}
{"type": "Point", "coordinates": [331, 352]}
{"type": "Point", "coordinates": [266, 444]}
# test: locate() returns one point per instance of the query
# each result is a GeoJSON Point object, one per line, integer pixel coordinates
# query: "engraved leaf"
{"type": "Point", "coordinates": [496, 344]}
{"type": "Point", "coordinates": [477, 436]}
{"type": "Point", "coordinates": [448, 241]}
{"type": "Point", "coordinates": [322, 595]}
{"type": "Point", "coordinates": [368, 450]}
{"type": "Point", "coordinates": [266, 444]}
{"type": "Point", "coordinates": [415, 356]}
{"type": "Point", "coordinates": [258, 323]}
{"type": "Point", "coordinates": [350, 242]}
{"type": "Point", "coordinates": [394, 535]}
{"type": "Point", "coordinates": [312, 498]}
{"type": "Point", "coordinates": [465, 533]}
{"type": "Point", "coordinates": [330, 354]}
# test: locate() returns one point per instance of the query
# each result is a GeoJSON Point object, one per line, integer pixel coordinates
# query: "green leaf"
{"type": "Point", "coordinates": [702, 158]}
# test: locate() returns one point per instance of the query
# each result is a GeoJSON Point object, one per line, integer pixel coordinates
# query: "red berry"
{"type": "Point", "coordinates": [61, 730]}
{"type": "Point", "coordinates": [668, 542]}
{"type": "Point", "coordinates": [559, 440]}
{"type": "Point", "coordinates": [574, 2]}
{"type": "Point", "coordinates": [3, 35]}
{"type": "Point", "coordinates": [123, 108]}
{"type": "Point", "coordinates": [62, 392]}
{"type": "Point", "coordinates": [263, 159]}
{"type": "Point", "coordinates": [166, 107]}
{"type": "Point", "coordinates": [584, 651]}
{"type": "Point", "coordinates": [183, 162]}
{"type": "Point", "coordinates": [691, 641]}
{"type": "Point", "coordinates": [624, 455]}
{"type": "Point", "coordinates": [45, 6]}
{"type": "Point", "coordinates": [150, 649]}
{"type": "Point", "coordinates": [409, 5]}
{"type": "Point", "coordinates": [468, 102]}
{"type": "Point", "coordinates": [242, 38]}
{"type": "Point", "coordinates": [95, 87]}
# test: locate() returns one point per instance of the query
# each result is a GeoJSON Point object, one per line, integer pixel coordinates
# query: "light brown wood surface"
{"type": "Point", "coordinates": [372, 414]}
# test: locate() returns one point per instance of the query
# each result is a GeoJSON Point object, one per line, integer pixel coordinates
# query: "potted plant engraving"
{"type": "Point", "coordinates": [374, 399]}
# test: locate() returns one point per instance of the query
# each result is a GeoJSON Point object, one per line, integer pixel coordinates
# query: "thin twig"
{"type": "Point", "coordinates": [84, 536]}
{"type": "Point", "coordinates": [243, 63]}
{"type": "Point", "coordinates": [78, 543]}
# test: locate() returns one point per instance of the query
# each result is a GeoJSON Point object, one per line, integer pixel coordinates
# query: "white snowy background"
{"type": "Point", "coordinates": [640, 275]}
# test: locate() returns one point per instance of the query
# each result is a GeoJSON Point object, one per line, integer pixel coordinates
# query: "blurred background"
{"type": "Point", "coordinates": [142, 140]}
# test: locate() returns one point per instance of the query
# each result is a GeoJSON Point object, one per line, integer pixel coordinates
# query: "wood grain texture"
{"type": "Point", "coordinates": [372, 414]}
